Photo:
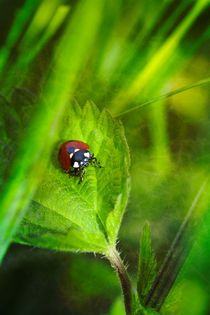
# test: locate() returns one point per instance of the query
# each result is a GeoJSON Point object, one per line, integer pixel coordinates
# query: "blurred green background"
{"type": "Point", "coordinates": [139, 50]}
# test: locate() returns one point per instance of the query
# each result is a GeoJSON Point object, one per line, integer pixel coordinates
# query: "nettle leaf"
{"type": "Point", "coordinates": [66, 215]}
{"type": "Point", "coordinates": [147, 264]}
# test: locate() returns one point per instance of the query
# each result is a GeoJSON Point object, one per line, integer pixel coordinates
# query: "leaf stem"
{"type": "Point", "coordinates": [117, 263]}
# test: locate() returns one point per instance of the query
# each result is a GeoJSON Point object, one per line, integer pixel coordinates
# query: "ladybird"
{"type": "Point", "coordinates": [74, 156]}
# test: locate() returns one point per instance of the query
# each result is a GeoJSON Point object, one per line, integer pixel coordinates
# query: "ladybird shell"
{"type": "Point", "coordinates": [66, 149]}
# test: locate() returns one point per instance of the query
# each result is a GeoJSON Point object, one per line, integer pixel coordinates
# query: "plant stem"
{"type": "Point", "coordinates": [117, 263]}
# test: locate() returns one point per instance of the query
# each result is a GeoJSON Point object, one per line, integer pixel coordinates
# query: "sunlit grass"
{"type": "Point", "coordinates": [17, 28]}
{"type": "Point", "coordinates": [39, 32]}
{"type": "Point", "coordinates": [161, 57]}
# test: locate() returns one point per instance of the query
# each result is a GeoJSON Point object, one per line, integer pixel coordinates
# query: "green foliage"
{"type": "Point", "coordinates": [23, 102]}
{"type": "Point", "coordinates": [123, 55]}
{"type": "Point", "coordinates": [147, 265]}
{"type": "Point", "coordinates": [139, 309]}
{"type": "Point", "coordinates": [117, 307]}
{"type": "Point", "coordinates": [68, 216]}
{"type": "Point", "coordinates": [89, 282]}
{"type": "Point", "coordinates": [184, 291]}
{"type": "Point", "coordinates": [33, 153]}
{"type": "Point", "coordinates": [14, 118]}
{"type": "Point", "coordinates": [10, 130]}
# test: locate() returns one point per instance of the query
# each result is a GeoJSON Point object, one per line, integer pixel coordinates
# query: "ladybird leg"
{"type": "Point", "coordinates": [94, 162]}
{"type": "Point", "coordinates": [71, 172]}
{"type": "Point", "coordinates": [81, 174]}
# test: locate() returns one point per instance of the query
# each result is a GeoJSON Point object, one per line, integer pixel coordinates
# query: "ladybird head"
{"type": "Point", "coordinates": [81, 158]}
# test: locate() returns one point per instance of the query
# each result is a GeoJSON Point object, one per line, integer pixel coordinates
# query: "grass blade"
{"type": "Point", "coordinates": [147, 265]}
{"type": "Point", "coordinates": [165, 52]}
{"type": "Point", "coordinates": [166, 95]}
{"type": "Point", "coordinates": [177, 253]}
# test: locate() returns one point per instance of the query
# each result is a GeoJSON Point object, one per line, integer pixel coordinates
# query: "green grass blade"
{"type": "Point", "coordinates": [179, 249]}
{"type": "Point", "coordinates": [19, 23]}
{"type": "Point", "coordinates": [160, 58]}
{"type": "Point", "coordinates": [166, 95]}
{"type": "Point", "coordinates": [147, 265]}
{"type": "Point", "coordinates": [36, 35]}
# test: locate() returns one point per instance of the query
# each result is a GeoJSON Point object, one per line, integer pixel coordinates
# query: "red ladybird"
{"type": "Point", "coordinates": [74, 157]}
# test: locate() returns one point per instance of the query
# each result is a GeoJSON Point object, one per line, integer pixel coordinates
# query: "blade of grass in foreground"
{"type": "Point", "coordinates": [20, 21]}
{"type": "Point", "coordinates": [179, 250]}
{"type": "Point", "coordinates": [54, 24]}
{"type": "Point", "coordinates": [34, 152]}
{"type": "Point", "coordinates": [39, 32]}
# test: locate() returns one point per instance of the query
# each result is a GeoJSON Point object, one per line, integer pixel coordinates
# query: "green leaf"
{"type": "Point", "coordinates": [66, 215]}
{"type": "Point", "coordinates": [139, 309]}
{"type": "Point", "coordinates": [147, 265]}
